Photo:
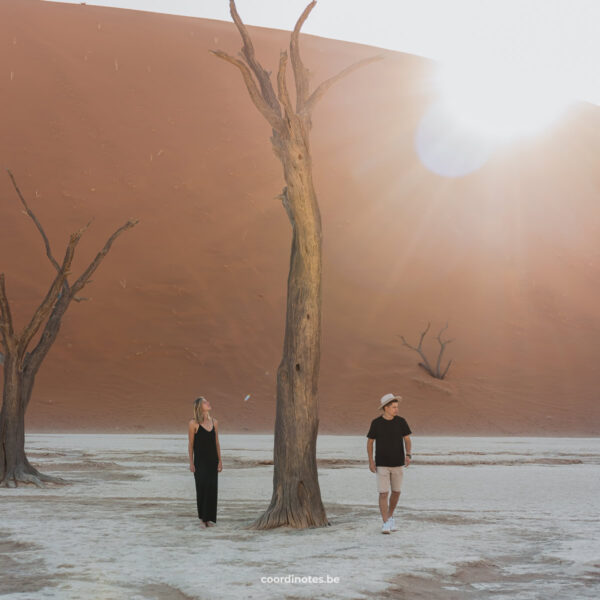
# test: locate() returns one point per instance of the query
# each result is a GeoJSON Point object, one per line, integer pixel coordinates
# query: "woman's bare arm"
{"type": "Point", "coordinates": [220, 465]}
{"type": "Point", "coordinates": [191, 432]}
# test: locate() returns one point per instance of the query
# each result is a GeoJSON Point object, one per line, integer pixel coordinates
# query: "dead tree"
{"type": "Point", "coordinates": [21, 365]}
{"type": "Point", "coordinates": [437, 372]}
{"type": "Point", "coordinates": [296, 499]}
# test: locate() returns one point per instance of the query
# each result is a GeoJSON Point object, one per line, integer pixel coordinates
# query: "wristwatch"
{"type": "Point", "coordinates": [409, 455]}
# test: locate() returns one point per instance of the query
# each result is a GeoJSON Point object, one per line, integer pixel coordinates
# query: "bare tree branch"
{"type": "Point", "coordinates": [263, 76]}
{"type": "Point", "coordinates": [6, 322]}
{"type": "Point", "coordinates": [300, 71]}
{"type": "Point", "coordinates": [442, 348]}
{"type": "Point", "coordinates": [424, 334]}
{"type": "Point", "coordinates": [48, 302]}
{"type": "Point", "coordinates": [437, 373]}
{"type": "Point", "coordinates": [419, 350]}
{"type": "Point", "coordinates": [265, 110]}
{"type": "Point", "coordinates": [37, 223]}
{"type": "Point", "coordinates": [85, 227]}
{"type": "Point", "coordinates": [20, 366]}
{"type": "Point", "coordinates": [36, 356]}
{"type": "Point", "coordinates": [84, 278]}
{"type": "Point", "coordinates": [282, 90]}
{"type": "Point", "coordinates": [323, 87]}
{"type": "Point", "coordinates": [446, 369]}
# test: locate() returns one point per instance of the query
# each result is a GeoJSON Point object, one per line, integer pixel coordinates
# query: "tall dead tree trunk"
{"type": "Point", "coordinates": [296, 499]}
{"type": "Point", "coordinates": [21, 365]}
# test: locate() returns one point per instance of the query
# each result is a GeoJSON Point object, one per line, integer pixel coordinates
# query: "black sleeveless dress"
{"type": "Point", "coordinates": [206, 461]}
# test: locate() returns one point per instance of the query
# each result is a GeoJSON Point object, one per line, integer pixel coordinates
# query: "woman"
{"type": "Point", "coordinates": [205, 460]}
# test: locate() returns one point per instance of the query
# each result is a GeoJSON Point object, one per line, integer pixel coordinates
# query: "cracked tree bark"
{"type": "Point", "coordinates": [296, 499]}
{"type": "Point", "coordinates": [20, 366]}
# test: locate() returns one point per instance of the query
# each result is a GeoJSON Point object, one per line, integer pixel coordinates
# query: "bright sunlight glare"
{"type": "Point", "coordinates": [503, 101]}
{"type": "Point", "coordinates": [488, 98]}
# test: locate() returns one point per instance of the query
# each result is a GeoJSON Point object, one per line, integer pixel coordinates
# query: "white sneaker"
{"type": "Point", "coordinates": [392, 523]}
{"type": "Point", "coordinates": [385, 528]}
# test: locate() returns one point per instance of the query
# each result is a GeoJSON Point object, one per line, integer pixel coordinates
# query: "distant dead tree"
{"type": "Point", "coordinates": [296, 499]}
{"type": "Point", "coordinates": [437, 372]}
{"type": "Point", "coordinates": [20, 365]}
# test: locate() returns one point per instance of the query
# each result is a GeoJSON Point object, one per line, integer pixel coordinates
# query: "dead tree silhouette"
{"type": "Point", "coordinates": [296, 499]}
{"type": "Point", "coordinates": [20, 364]}
{"type": "Point", "coordinates": [426, 365]}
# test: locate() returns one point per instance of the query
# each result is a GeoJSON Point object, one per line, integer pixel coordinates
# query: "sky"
{"type": "Point", "coordinates": [557, 38]}
{"type": "Point", "coordinates": [507, 69]}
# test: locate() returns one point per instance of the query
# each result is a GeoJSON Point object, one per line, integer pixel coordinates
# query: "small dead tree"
{"type": "Point", "coordinates": [20, 364]}
{"type": "Point", "coordinates": [437, 372]}
{"type": "Point", "coordinates": [296, 499]}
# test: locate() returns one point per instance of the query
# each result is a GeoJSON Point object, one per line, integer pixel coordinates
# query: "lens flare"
{"type": "Point", "coordinates": [484, 102]}
{"type": "Point", "coordinates": [500, 100]}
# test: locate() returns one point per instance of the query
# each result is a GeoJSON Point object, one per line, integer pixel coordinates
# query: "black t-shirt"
{"type": "Point", "coordinates": [389, 440]}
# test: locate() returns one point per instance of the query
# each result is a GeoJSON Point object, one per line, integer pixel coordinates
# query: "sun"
{"type": "Point", "coordinates": [499, 99]}
{"type": "Point", "coordinates": [484, 103]}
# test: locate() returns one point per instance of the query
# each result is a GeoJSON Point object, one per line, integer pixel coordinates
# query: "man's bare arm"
{"type": "Point", "coordinates": [370, 455]}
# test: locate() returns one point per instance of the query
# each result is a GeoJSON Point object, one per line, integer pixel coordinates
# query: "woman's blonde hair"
{"type": "Point", "coordinates": [198, 412]}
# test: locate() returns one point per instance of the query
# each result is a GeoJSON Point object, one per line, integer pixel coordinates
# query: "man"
{"type": "Point", "coordinates": [391, 433]}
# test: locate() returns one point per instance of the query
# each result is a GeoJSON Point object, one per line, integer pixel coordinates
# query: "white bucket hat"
{"type": "Point", "coordinates": [387, 398]}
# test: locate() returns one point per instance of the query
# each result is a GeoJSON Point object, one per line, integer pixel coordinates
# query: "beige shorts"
{"type": "Point", "coordinates": [389, 476]}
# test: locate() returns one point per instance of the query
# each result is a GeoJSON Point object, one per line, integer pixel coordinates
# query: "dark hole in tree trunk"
{"type": "Point", "coordinates": [297, 366]}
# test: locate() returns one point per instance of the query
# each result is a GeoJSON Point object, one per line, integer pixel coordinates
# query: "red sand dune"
{"type": "Point", "coordinates": [114, 114]}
